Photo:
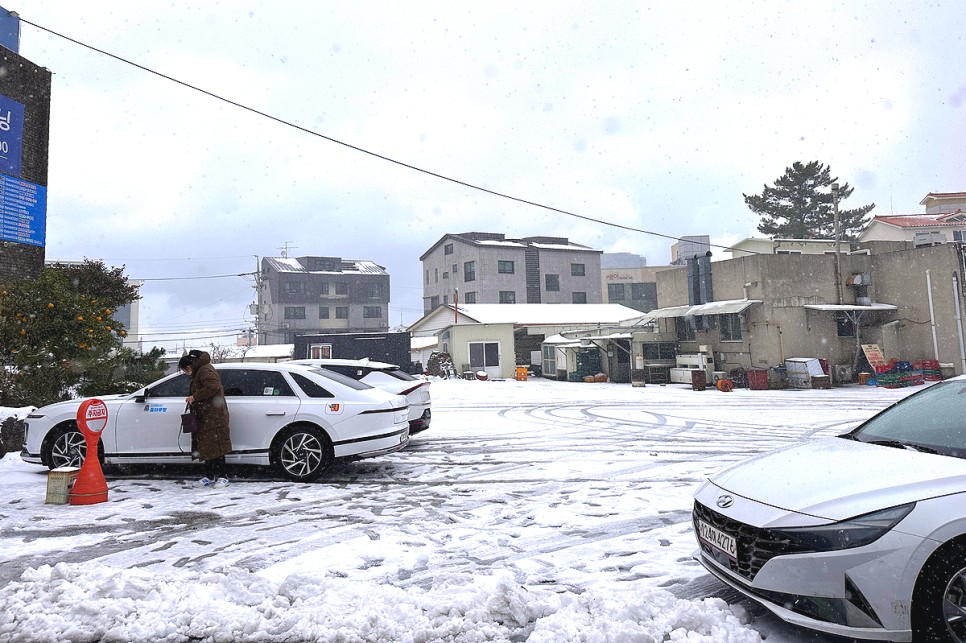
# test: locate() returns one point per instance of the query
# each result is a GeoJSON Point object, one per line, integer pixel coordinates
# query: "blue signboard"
{"type": "Point", "coordinates": [23, 211]}
{"type": "Point", "coordinates": [11, 135]}
{"type": "Point", "coordinates": [9, 30]}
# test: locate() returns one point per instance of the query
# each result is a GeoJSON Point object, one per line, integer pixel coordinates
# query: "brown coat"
{"type": "Point", "coordinates": [212, 439]}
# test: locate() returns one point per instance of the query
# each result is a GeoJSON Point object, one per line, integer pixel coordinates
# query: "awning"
{"type": "Point", "coordinates": [850, 307]}
{"type": "Point", "coordinates": [725, 307]}
{"type": "Point", "coordinates": [729, 307]}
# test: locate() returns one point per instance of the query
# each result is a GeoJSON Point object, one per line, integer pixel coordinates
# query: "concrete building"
{"type": "Point", "coordinates": [316, 295]}
{"type": "Point", "coordinates": [626, 279]}
{"type": "Point", "coordinates": [760, 246]}
{"type": "Point", "coordinates": [689, 247]}
{"type": "Point", "coordinates": [488, 268]}
{"type": "Point", "coordinates": [755, 312]}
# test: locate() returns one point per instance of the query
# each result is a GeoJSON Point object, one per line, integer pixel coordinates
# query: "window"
{"type": "Point", "coordinates": [323, 312]}
{"type": "Point", "coordinates": [445, 274]}
{"type": "Point", "coordinates": [504, 267]}
{"type": "Point", "coordinates": [175, 387]}
{"type": "Point", "coordinates": [427, 276]}
{"type": "Point", "coordinates": [549, 360]}
{"type": "Point", "coordinates": [551, 283]}
{"type": "Point", "coordinates": [320, 351]}
{"type": "Point", "coordinates": [341, 288]}
{"type": "Point", "coordinates": [615, 292]}
{"type": "Point", "coordinates": [659, 351]}
{"type": "Point", "coordinates": [844, 326]}
{"type": "Point", "coordinates": [469, 298]}
{"type": "Point", "coordinates": [294, 287]}
{"type": "Point", "coordinates": [959, 235]}
{"type": "Point", "coordinates": [579, 298]}
{"type": "Point", "coordinates": [254, 383]}
{"type": "Point", "coordinates": [295, 312]}
{"type": "Point", "coordinates": [483, 354]}
{"type": "Point", "coordinates": [310, 388]}
{"type": "Point", "coordinates": [578, 270]}
{"type": "Point", "coordinates": [469, 271]}
{"type": "Point", "coordinates": [371, 312]}
{"type": "Point", "coordinates": [435, 275]}
{"type": "Point", "coordinates": [730, 327]}
{"type": "Point", "coordinates": [508, 297]}
{"type": "Point", "coordinates": [637, 292]}
{"type": "Point", "coordinates": [445, 299]}
{"type": "Point", "coordinates": [342, 312]}
{"type": "Point", "coordinates": [373, 290]}
{"type": "Point", "coordinates": [684, 328]}
{"type": "Point", "coordinates": [433, 303]}
{"type": "Point", "coordinates": [448, 249]}
{"type": "Point", "coordinates": [324, 288]}
{"type": "Point", "coordinates": [455, 268]}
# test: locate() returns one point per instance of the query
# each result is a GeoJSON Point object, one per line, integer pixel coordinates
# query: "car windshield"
{"type": "Point", "coordinates": [932, 420]}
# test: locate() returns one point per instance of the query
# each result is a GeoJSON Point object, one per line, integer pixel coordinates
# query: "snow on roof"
{"type": "Point", "coordinates": [291, 264]}
{"type": "Point", "coordinates": [489, 242]}
{"type": "Point", "coordinates": [558, 246]}
{"type": "Point", "coordinates": [419, 343]}
{"type": "Point", "coordinates": [547, 314]}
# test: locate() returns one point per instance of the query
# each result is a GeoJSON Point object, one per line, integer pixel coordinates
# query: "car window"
{"type": "Point", "coordinates": [401, 375]}
{"type": "Point", "coordinates": [175, 387]}
{"type": "Point", "coordinates": [340, 378]}
{"type": "Point", "coordinates": [310, 388]}
{"type": "Point", "coordinates": [931, 418]}
{"type": "Point", "coordinates": [254, 383]}
{"type": "Point", "coordinates": [354, 372]}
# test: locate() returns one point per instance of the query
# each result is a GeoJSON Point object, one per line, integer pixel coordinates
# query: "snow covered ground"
{"type": "Point", "coordinates": [529, 511]}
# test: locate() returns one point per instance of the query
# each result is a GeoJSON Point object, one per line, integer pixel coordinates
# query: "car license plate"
{"type": "Point", "coordinates": [718, 539]}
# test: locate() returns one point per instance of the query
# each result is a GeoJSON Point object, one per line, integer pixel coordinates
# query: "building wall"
{"type": "Point", "coordinates": [444, 273]}
{"type": "Point", "coordinates": [640, 286]}
{"type": "Point", "coordinates": [457, 339]}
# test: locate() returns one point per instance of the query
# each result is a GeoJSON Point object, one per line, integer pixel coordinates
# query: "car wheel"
{"type": "Point", "coordinates": [302, 453]}
{"type": "Point", "coordinates": [939, 613]}
{"type": "Point", "coordinates": [67, 447]}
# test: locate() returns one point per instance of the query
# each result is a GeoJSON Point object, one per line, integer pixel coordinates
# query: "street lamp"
{"type": "Point", "coordinates": [838, 266]}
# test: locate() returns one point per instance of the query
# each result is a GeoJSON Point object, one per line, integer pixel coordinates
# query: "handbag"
{"type": "Point", "coordinates": [189, 421]}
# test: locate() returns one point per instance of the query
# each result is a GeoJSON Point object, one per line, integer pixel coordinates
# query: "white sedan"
{"type": "Point", "coordinates": [388, 377]}
{"type": "Point", "coordinates": [298, 420]}
{"type": "Point", "coordinates": [861, 535]}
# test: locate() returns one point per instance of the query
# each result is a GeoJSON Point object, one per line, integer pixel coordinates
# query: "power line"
{"type": "Point", "coordinates": [241, 274]}
{"type": "Point", "coordinates": [382, 157]}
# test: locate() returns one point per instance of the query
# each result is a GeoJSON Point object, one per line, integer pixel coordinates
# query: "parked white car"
{"type": "Point", "coordinates": [388, 377]}
{"type": "Point", "coordinates": [298, 420]}
{"type": "Point", "coordinates": [861, 535]}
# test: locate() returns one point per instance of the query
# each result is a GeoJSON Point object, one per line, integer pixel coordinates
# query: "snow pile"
{"type": "Point", "coordinates": [94, 602]}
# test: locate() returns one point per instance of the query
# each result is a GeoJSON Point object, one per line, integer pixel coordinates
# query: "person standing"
{"type": "Point", "coordinates": [212, 441]}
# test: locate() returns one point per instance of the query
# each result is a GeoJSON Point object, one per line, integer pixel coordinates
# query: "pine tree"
{"type": "Point", "coordinates": [800, 206]}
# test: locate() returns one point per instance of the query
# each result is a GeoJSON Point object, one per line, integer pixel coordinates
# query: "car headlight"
{"type": "Point", "coordinates": [854, 532]}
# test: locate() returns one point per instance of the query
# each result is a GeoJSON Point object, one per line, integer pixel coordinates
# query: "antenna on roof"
{"type": "Point", "coordinates": [286, 248]}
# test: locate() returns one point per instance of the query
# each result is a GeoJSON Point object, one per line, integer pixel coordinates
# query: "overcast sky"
{"type": "Point", "coordinates": [656, 116]}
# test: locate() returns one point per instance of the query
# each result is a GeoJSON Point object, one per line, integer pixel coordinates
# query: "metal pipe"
{"type": "Point", "coordinates": [838, 245]}
{"type": "Point", "coordinates": [959, 323]}
{"type": "Point", "coordinates": [932, 317]}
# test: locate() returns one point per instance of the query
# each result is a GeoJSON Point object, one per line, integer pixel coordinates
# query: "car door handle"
{"type": "Point", "coordinates": [274, 412]}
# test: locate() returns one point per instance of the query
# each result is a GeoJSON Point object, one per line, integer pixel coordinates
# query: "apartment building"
{"type": "Point", "coordinates": [312, 294]}
{"type": "Point", "coordinates": [488, 268]}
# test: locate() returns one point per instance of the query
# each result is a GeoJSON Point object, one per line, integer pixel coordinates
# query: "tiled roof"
{"type": "Point", "coordinates": [922, 220]}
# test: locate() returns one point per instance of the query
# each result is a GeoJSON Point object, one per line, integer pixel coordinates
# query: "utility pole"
{"type": "Point", "coordinates": [838, 250]}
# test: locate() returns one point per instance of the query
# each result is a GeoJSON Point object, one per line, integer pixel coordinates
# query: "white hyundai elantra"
{"type": "Point", "coordinates": [861, 535]}
{"type": "Point", "coordinates": [298, 420]}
